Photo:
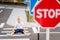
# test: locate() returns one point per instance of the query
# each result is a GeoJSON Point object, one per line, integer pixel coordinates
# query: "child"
{"type": "Point", "coordinates": [18, 28]}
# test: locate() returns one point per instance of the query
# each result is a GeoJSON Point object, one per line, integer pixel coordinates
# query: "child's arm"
{"type": "Point", "coordinates": [24, 30]}
{"type": "Point", "coordinates": [13, 30]}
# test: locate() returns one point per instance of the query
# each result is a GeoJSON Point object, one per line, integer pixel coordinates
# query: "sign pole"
{"type": "Point", "coordinates": [38, 36]}
{"type": "Point", "coordinates": [47, 34]}
{"type": "Point", "coordinates": [42, 15]}
{"type": "Point", "coordinates": [38, 32]}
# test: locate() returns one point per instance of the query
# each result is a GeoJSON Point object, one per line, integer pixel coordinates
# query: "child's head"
{"type": "Point", "coordinates": [18, 19]}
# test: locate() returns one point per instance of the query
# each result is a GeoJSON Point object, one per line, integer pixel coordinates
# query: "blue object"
{"type": "Point", "coordinates": [26, 2]}
{"type": "Point", "coordinates": [32, 4]}
{"type": "Point", "coordinates": [19, 31]}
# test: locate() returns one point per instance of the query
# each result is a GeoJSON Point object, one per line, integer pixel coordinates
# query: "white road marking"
{"type": "Point", "coordinates": [1, 11]}
{"type": "Point", "coordinates": [2, 25]}
{"type": "Point", "coordinates": [6, 31]}
{"type": "Point", "coordinates": [2, 7]}
{"type": "Point", "coordinates": [17, 39]}
{"type": "Point", "coordinates": [34, 30]}
{"type": "Point", "coordinates": [38, 29]}
{"type": "Point", "coordinates": [11, 32]}
{"type": "Point", "coordinates": [54, 32]}
{"type": "Point", "coordinates": [14, 15]}
{"type": "Point", "coordinates": [7, 28]}
{"type": "Point", "coordinates": [10, 28]}
{"type": "Point", "coordinates": [27, 34]}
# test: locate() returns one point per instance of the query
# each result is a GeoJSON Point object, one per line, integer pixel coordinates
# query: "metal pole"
{"type": "Point", "coordinates": [38, 33]}
{"type": "Point", "coordinates": [38, 36]}
{"type": "Point", "coordinates": [47, 34]}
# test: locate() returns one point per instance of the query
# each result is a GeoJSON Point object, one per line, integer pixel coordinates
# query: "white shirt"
{"type": "Point", "coordinates": [19, 26]}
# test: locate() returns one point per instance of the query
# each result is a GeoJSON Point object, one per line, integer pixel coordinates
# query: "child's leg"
{"type": "Point", "coordinates": [16, 31]}
{"type": "Point", "coordinates": [24, 31]}
{"type": "Point", "coordinates": [21, 31]}
{"type": "Point", "coordinates": [12, 32]}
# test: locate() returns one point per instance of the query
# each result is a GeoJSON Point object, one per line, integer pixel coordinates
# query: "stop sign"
{"type": "Point", "coordinates": [47, 13]}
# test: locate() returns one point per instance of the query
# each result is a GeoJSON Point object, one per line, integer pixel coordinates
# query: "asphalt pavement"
{"type": "Point", "coordinates": [13, 11]}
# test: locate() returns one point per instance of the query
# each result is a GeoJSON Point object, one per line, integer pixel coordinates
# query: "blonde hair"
{"type": "Point", "coordinates": [18, 17]}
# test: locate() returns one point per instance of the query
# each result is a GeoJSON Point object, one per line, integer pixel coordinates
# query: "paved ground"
{"type": "Point", "coordinates": [9, 15]}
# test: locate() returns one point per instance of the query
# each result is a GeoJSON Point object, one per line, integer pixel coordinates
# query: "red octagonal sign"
{"type": "Point", "coordinates": [47, 13]}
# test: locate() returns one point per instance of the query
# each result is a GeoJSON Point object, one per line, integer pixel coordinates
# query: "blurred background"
{"type": "Point", "coordinates": [20, 8]}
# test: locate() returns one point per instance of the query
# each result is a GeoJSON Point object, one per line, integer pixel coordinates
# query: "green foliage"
{"type": "Point", "coordinates": [11, 1]}
{"type": "Point", "coordinates": [6, 0]}
{"type": "Point", "coordinates": [20, 1]}
{"type": "Point", "coordinates": [58, 0]}
{"type": "Point", "coordinates": [29, 17]}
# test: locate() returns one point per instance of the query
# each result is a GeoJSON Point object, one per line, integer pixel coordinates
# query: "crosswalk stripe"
{"type": "Point", "coordinates": [2, 7]}
{"type": "Point", "coordinates": [11, 31]}
{"type": "Point", "coordinates": [2, 25]}
{"type": "Point", "coordinates": [17, 39]}
{"type": "Point", "coordinates": [1, 11]}
{"type": "Point", "coordinates": [27, 34]}
{"type": "Point", "coordinates": [17, 12]}
{"type": "Point", "coordinates": [7, 28]}
{"type": "Point", "coordinates": [10, 28]}
{"type": "Point", "coordinates": [34, 30]}
{"type": "Point", "coordinates": [6, 31]}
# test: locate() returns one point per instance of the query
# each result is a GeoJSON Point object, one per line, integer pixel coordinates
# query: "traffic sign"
{"type": "Point", "coordinates": [32, 3]}
{"type": "Point", "coordinates": [47, 13]}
